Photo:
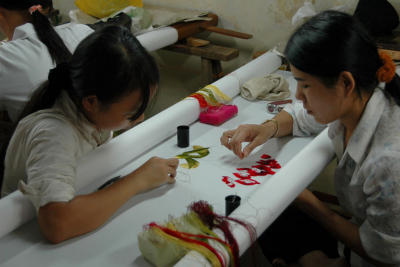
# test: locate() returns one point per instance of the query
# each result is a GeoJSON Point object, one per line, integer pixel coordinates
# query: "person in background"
{"type": "Point", "coordinates": [34, 46]}
{"type": "Point", "coordinates": [346, 85]}
{"type": "Point", "coordinates": [105, 86]}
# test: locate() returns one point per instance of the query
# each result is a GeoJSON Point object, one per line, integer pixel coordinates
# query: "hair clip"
{"type": "Point", "coordinates": [32, 9]}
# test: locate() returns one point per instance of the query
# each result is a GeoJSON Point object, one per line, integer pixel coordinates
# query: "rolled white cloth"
{"type": "Point", "coordinates": [270, 87]}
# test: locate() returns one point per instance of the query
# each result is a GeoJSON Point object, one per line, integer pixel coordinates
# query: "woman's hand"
{"type": "Point", "coordinates": [155, 172]}
{"type": "Point", "coordinates": [62, 220]}
{"type": "Point", "coordinates": [253, 133]}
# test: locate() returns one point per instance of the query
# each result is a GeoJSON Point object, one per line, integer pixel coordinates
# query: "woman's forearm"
{"type": "Point", "coordinates": [60, 221]}
{"type": "Point", "coordinates": [283, 125]}
{"type": "Point", "coordinates": [64, 220]}
{"type": "Point", "coordinates": [344, 230]}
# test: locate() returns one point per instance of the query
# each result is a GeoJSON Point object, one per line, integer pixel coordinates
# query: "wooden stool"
{"type": "Point", "coordinates": [211, 56]}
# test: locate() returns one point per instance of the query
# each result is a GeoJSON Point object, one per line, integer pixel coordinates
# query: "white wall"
{"type": "Point", "coordinates": [268, 20]}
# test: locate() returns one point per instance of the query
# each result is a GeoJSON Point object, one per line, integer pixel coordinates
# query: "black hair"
{"type": "Point", "coordinates": [378, 16]}
{"type": "Point", "coordinates": [45, 31]}
{"type": "Point", "coordinates": [110, 64]}
{"type": "Point", "coordinates": [332, 42]}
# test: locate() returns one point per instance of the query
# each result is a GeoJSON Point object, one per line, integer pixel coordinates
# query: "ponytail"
{"type": "Point", "coordinates": [47, 35]}
{"type": "Point", "coordinates": [45, 31]}
{"type": "Point", "coordinates": [44, 97]}
{"type": "Point", "coordinates": [110, 64]}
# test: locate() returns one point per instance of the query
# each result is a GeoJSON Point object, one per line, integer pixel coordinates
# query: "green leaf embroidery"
{"type": "Point", "coordinates": [189, 156]}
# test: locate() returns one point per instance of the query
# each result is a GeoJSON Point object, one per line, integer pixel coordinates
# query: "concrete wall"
{"type": "Point", "coordinates": [268, 20]}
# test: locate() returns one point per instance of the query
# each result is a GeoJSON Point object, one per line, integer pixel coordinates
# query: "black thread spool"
{"type": "Point", "coordinates": [231, 203]}
{"type": "Point", "coordinates": [183, 136]}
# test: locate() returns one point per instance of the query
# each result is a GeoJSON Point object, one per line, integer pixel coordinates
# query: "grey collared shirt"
{"type": "Point", "coordinates": [367, 178]}
{"type": "Point", "coordinates": [43, 153]}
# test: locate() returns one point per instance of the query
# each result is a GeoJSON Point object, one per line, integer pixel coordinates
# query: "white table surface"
{"type": "Point", "coordinates": [115, 244]}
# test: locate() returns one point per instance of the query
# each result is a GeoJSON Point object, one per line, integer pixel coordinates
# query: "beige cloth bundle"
{"type": "Point", "coordinates": [271, 87]}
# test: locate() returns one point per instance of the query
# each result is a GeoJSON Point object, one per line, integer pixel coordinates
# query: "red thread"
{"type": "Point", "coordinates": [202, 101]}
{"type": "Point", "coordinates": [271, 163]}
{"type": "Point", "coordinates": [228, 181]}
{"type": "Point", "coordinates": [181, 235]}
{"type": "Point", "coordinates": [263, 168]}
{"type": "Point", "coordinates": [247, 181]}
{"type": "Point", "coordinates": [242, 175]}
{"type": "Point", "coordinates": [259, 170]}
{"type": "Point", "coordinates": [211, 219]}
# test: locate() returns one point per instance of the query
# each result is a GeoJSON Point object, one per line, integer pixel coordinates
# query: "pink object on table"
{"type": "Point", "coordinates": [217, 115]}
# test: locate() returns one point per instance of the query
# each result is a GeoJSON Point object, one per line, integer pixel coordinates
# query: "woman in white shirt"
{"type": "Point", "coordinates": [346, 84]}
{"type": "Point", "coordinates": [34, 47]}
{"type": "Point", "coordinates": [105, 86]}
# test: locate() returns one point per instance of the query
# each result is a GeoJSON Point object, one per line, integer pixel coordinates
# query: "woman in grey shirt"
{"type": "Point", "coordinates": [343, 82]}
{"type": "Point", "coordinates": [105, 86]}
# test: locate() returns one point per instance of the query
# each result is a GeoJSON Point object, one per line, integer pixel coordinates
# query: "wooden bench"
{"type": "Point", "coordinates": [390, 43]}
{"type": "Point", "coordinates": [211, 57]}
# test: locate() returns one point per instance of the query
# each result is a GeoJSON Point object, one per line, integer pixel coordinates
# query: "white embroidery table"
{"type": "Point", "coordinates": [115, 244]}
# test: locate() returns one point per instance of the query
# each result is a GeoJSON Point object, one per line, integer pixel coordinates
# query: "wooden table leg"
{"type": "Point", "coordinates": [211, 70]}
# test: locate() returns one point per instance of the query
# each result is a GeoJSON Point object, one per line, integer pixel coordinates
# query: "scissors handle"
{"type": "Point", "coordinates": [109, 182]}
{"type": "Point", "coordinates": [281, 102]}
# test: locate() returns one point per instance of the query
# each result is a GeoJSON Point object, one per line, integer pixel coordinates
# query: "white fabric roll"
{"type": "Point", "coordinates": [295, 176]}
{"type": "Point", "coordinates": [16, 210]}
{"type": "Point", "coordinates": [159, 38]}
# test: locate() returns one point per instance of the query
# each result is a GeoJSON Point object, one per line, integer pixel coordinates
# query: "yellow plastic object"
{"type": "Point", "coordinates": [104, 8]}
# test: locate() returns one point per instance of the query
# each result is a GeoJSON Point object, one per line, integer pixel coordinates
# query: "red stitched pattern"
{"type": "Point", "coordinates": [244, 175]}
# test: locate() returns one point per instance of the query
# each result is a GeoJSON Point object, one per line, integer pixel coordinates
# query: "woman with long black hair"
{"type": "Point", "coordinates": [34, 46]}
{"type": "Point", "coordinates": [105, 86]}
{"type": "Point", "coordinates": [345, 84]}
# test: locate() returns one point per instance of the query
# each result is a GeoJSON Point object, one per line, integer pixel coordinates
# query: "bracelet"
{"type": "Point", "coordinates": [276, 124]}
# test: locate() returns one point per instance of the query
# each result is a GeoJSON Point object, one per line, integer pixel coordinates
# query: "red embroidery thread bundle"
{"type": "Point", "coordinates": [191, 238]}
{"type": "Point", "coordinates": [213, 220]}
{"type": "Point", "coordinates": [202, 101]}
{"type": "Point", "coordinates": [165, 244]}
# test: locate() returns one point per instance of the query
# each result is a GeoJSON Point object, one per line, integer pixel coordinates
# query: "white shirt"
{"type": "Point", "coordinates": [367, 178]}
{"type": "Point", "coordinates": [25, 63]}
{"type": "Point", "coordinates": [43, 153]}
